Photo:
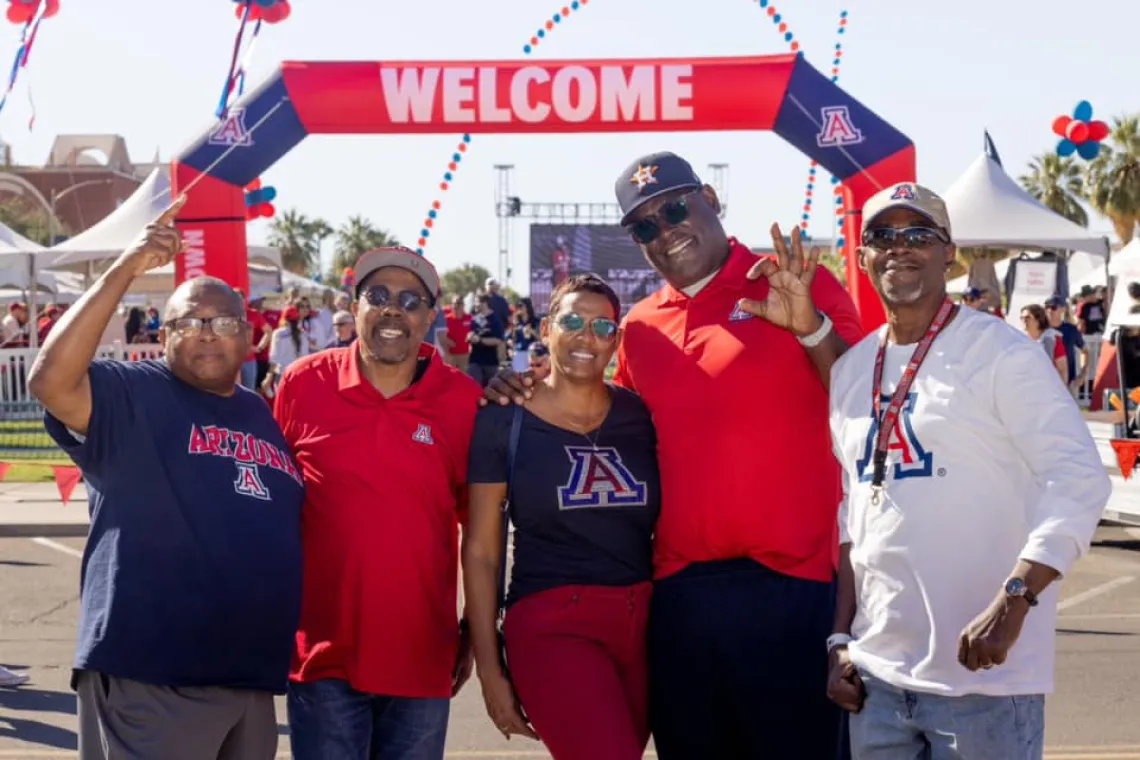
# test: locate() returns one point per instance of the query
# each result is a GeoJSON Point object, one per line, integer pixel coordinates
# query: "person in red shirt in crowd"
{"type": "Point", "coordinates": [457, 350]}
{"type": "Point", "coordinates": [261, 333]}
{"type": "Point", "coordinates": [733, 358]}
{"type": "Point", "coordinates": [381, 430]}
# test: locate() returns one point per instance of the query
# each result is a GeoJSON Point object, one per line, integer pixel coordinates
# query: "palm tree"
{"type": "Point", "coordinates": [1113, 182]}
{"type": "Point", "coordinates": [1059, 184]}
{"type": "Point", "coordinates": [355, 237]}
{"type": "Point", "coordinates": [299, 239]}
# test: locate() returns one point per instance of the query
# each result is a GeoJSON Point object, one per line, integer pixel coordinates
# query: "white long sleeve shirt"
{"type": "Point", "coordinates": [990, 462]}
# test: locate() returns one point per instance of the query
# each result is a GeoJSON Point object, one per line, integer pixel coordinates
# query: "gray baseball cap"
{"type": "Point", "coordinates": [651, 176]}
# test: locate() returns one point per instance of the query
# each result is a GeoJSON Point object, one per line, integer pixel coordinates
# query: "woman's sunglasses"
{"type": "Point", "coordinates": [672, 213]}
{"type": "Point", "coordinates": [602, 327]}
{"type": "Point", "coordinates": [883, 238]}
{"type": "Point", "coordinates": [380, 296]}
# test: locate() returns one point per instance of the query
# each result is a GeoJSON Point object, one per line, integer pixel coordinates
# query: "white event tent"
{"type": "Point", "coordinates": [988, 209]}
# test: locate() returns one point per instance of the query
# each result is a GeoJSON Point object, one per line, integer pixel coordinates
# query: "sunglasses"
{"type": "Point", "coordinates": [602, 327]}
{"type": "Point", "coordinates": [223, 327]}
{"type": "Point", "coordinates": [407, 300]}
{"type": "Point", "coordinates": [883, 238]}
{"type": "Point", "coordinates": [674, 212]}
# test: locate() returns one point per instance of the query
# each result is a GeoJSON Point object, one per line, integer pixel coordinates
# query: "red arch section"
{"type": "Point", "coordinates": [783, 94]}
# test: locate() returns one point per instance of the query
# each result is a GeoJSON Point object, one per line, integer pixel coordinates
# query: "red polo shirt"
{"type": "Point", "coordinates": [384, 485]}
{"type": "Point", "coordinates": [747, 468]}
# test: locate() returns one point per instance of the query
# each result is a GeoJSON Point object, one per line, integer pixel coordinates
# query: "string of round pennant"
{"type": "Point", "coordinates": [535, 40]}
{"type": "Point", "coordinates": [805, 217]}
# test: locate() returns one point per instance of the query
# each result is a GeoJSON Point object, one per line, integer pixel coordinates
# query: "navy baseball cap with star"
{"type": "Point", "coordinates": [651, 176]}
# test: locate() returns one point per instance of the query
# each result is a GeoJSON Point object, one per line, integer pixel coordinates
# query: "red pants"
{"type": "Point", "coordinates": [577, 660]}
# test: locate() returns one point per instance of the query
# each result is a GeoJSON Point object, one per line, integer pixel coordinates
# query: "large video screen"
{"type": "Point", "coordinates": [560, 250]}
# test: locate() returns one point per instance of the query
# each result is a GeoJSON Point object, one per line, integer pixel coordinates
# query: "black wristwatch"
{"type": "Point", "coordinates": [1016, 587]}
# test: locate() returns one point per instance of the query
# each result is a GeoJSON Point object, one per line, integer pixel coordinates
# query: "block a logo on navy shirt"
{"type": "Point", "coordinates": [910, 459]}
{"type": "Point", "coordinates": [598, 478]}
{"type": "Point", "coordinates": [248, 452]}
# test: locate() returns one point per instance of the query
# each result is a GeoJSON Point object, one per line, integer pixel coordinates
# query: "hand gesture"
{"type": "Point", "coordinates": [789, 303]}
{"type": "Point", "coordinates": [986, 641]}
{"type": "Point", "coordinates": [503, 707]}
{"type": "Point", "coordinates": [159, 243]}
{"type": "Point", "coordinates": [844, 686]}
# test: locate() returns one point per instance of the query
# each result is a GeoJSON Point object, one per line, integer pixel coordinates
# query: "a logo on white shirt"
{"type": "Point", "coordinates": [423, 434]}
{"type": "Point", "coordinates": [906, 456]}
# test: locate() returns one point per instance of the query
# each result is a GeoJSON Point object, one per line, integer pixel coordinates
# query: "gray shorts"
{"type": "Point", "coordinates": [121, 719]}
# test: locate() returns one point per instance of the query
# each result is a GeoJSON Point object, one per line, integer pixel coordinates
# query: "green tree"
{"type": "Point", "coordinates": [30, 221]}
{"type": "Point", "coordinates": [1059, 184]}
{"type": "Point", "coordinates": [467, 278]}
{"type": "Point", "coordinates": [1112, 184]}
{"type": "Point", "coordinates": [357, 236]}
{"type": "Point", "coordinates": [299, 239]}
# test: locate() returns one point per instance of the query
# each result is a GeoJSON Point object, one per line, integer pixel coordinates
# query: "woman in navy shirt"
{"type": "Point", "coordinates": [585, 495]}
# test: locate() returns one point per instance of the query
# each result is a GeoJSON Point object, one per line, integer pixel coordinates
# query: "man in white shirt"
{"type": "Point", "coordinates": [984, 489]}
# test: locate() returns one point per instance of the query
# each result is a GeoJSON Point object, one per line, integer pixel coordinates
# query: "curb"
{"type": "Point", "coordinates": [43, 530]}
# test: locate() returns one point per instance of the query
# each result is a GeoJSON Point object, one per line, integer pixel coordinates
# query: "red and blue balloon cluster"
{"type": "Point", "coordinates": [1079, 133]}
{"type": "Point", "coordinates": [259, 201]}
{"type": "Point", "coordinates": [269, 11]}
{"type": "Point", "coordinates": [23, 11]}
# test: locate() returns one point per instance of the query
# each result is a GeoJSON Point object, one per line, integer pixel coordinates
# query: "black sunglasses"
{"type": "Point", "coordinates": [674, 212]}
{"type": "Point", "coordinates": [380, 296]}
{"type": "Point", "coordinates": [603, 328]}
{"type": "Point", "coordinates": [883, 238]}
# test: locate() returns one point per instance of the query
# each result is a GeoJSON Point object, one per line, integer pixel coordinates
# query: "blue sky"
{"type": "Point", "coordinates": [942, 72]}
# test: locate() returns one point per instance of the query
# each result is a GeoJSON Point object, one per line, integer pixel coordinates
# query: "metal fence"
{"type": "Point", "coordinates": [22, 433]}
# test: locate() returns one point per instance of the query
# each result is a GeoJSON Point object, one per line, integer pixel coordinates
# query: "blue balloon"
{"type": "Point", "coordinates": [1088, 150]}
{"type": "Point", "coordinates": [1083, 111]}
{"type": "Point", "coordinates": [253, 198]}
{"type": "Point", "coordinates": [268, 194]}
{"type": "Point", "coordinates": [1066, 147]}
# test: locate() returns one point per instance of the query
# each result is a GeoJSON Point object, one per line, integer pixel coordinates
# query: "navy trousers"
{"type": "Point", "coordinates": [738, 665]}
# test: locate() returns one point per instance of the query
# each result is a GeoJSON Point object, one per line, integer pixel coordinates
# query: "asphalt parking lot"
{"type": "Point", "coordinates": [1095, 714]}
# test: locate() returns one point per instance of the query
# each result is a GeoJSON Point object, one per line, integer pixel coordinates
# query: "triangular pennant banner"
{"type": "Point", "coordinates": [66, 479]}
{"type": "Point", "coordinates": [1127, 450]}
{"type": "Point", "coordinates": [4, 466]}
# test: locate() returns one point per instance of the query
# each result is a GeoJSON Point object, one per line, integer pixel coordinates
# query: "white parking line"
{"type": "Point", "coordinates": [1095, 591]}
{"type": "Point", "coordinates": [63, 548]}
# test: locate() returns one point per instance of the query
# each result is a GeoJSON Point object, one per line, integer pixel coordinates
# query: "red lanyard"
{"type": "Point", "coordinates": [888, 420]}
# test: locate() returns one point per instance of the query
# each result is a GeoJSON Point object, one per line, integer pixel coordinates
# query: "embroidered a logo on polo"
{"type": "Point", "coordinates": [738, 314]}
{"type": "Point", "coordinates": [248, 452]}
{"type": "Point", "coordinates": [598, 478]}
{"type": "Point", "coordinates": [423, 434]}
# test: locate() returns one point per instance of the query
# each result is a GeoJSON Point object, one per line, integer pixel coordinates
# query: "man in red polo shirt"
{"type": "Point", "coordinates": [381, 431]}
{"type": "Point", "coordinates": [733, 358]}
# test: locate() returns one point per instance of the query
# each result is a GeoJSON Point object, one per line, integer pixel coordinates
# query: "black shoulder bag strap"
{"type": "Point", "coordinates": [512, 450]}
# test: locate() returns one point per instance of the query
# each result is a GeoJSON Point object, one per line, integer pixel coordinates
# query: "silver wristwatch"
{"type": "Point", "coordinates": [838, 640]}
{"type": "Point", "coordinates": [813, 340]}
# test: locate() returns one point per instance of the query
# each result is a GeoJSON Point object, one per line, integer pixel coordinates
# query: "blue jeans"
{"type": "Point", "coordinates": [249, 375]}
{"type": "Point", "coordinates": [330, 720]}
{"type": "Point", "coordinates": [904, 725]}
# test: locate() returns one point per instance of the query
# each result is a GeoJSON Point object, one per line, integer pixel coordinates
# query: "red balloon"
{"type": "Point", "coordinates": [286, 10]}
{"type": "Point", "coordinates": [254, 12]}
{"type": "Point", "coordinates": [251, 213]}
{"type": "Point", "coordinates": [1060, 124]}
{"type": "Point", "coordinates": [268, 210]}
{"type": "Point", "coordinates": [1098, 130]}
{"type": "Point", "coordinates": [51, 8]}
{"type": "Point", "coordinates": [1078, 132]}
{"type": "Point", "coordinates": [255, 185]}
{"type": "Point", "coordinates": [18, 13]}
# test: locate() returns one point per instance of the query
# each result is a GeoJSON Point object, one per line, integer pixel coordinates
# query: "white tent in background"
{"type": "Point", "coordinates": [988, 209]}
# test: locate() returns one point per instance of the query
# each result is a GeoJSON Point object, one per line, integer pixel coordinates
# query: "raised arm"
{"type": "Point", "coordinates": [59, 378]}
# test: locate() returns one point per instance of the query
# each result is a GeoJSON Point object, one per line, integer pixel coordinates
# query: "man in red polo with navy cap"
{"type": "Point", "coordinates": [733, 358]}
{"type": "Point", "coordinates": [381, 430]}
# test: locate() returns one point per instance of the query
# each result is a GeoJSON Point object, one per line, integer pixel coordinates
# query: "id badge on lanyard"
{"type": "Point", "coordinates": [889, 419]}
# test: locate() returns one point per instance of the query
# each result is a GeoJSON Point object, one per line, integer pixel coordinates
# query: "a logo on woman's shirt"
{"type": "Point", "coordinates": [248, 453]}
{"type": "Point", "coordinates": [904, 450]}
{"type": "Point", "coordinates": [598, 478]}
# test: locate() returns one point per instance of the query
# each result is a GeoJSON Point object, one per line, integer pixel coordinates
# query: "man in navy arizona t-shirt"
{"type": "Point", "coordinates": [191, 577]}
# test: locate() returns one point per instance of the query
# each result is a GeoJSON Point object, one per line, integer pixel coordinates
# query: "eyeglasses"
{"type": "Point", "coordinates": [674, 212]}
{"type": "Point", "coordinates": [380, 296]}
{"type": "Point", "coordinates": [223, 327]}
{"type": "Point", "coordinates": [602, 327]}
{"type": "Point", "coordinates": [883, 238]}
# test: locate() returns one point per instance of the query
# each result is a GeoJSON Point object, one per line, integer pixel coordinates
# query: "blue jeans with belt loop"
{"type": "Point", "coordinates": [898, 724]}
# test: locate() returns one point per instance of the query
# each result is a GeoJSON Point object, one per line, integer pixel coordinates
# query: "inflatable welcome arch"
{"type": "Point", "coordinates": [781, 93]}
